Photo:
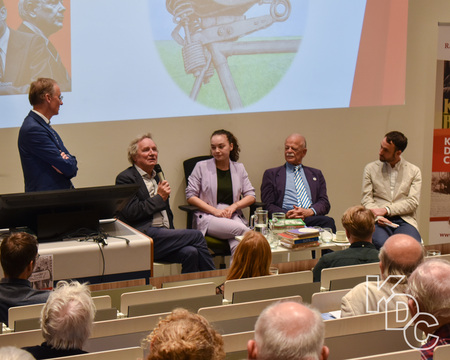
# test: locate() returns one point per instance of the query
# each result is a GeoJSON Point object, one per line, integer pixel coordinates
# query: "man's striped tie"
{"type": "Point", "coordinates": [303, 199]}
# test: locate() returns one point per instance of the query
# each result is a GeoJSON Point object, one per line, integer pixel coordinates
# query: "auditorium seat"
{"type": "Point", "coordinates": [441, 352]}
{"type": "Point", "coordinates": [160, 295]}
{"type": "Point", "coordinates": [329, 300]}
{"type": "Point", "coordinates": [411, 354]}
{"type": "Point", "coordinates": [263, 282]}
{"type": "Point", "coordinates": [344, 272]}
{"type": "Point", "coordinates": [235, 345]}
{"type": "Point", "coordinates": [131, 353]}
{"type": "Point", "coordinates": [235, 318]}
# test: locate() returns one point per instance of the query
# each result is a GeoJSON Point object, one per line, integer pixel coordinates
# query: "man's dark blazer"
{"type": "Point", "coordinates": [26, 61]}
{"type": "Point", "coordinates": [40, 149]}
{"type": "Point", "coordinates": [274, 183]}
{"type": "Point", "coordinates": [58, 71]}
{"type": "Point", "coordinates": [139, 211]}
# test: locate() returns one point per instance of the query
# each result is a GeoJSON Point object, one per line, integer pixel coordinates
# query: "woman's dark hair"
{"type": "Point", "coordinates": [234, 154]}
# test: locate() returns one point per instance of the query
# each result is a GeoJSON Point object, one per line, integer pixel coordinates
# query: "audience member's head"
{"type": "Point", "coordinates": [429, 284]}
{"type": "Point", "coordinates": [288, 331]}
{"type": "Point", "coordinates": [400, 255]}
{"type": "Point", "coordinates": [14, 353]}
{"type": "Point", "coordinates": [251, 258]}
{"type": "Point", "coordinates": [359, 224]}
{"type": "Point", "coordinates": [18, 253]}
{"type": "Point", "coordinates": [68, 316]}
{"type": "Point", "coordinates": [183, 335]}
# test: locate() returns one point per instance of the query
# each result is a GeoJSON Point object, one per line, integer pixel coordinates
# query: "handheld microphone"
{"type": "Point", "coordinates": [159, 173]}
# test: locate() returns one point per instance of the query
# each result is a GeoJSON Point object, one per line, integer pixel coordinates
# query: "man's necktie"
{"type": "Point", "coordinates": [302, 196]}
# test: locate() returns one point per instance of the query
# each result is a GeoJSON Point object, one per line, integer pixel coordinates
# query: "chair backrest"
{"type": "Point", "coordinates": [344, 272]}
{"type": "Point", "coordinates": [396, 355]}
{"type": "Point", "coordinates": [237, 342]}
{"type": "Point", "coordinates": [115, 294]}
{"type": "Point", "coordinates": [442, 352]}
{"type": "Point", "coordinates": [235, 318]}
{"type": "Point", "coordinates": [131, 353]}
{"type": "Point", "coordinates": [191, 304]}
{"type": "Point", "coordinates": [369, 335]}
{"type": "Point", "coordinates": [304, 290]}
{"type": "Point", "coordinates": [32, 312]}
{"type": "Point", "coordinates": [262, 282]}
{"type": "Point", "coordinates": [160, 295]}
{"type": "Point", "coordinates": [328, 300]}
{"type": "Point", "coordinates": [348, 283]}
{"type": "Point", "coordinates": [218, 280]}
{"type": "Point", "coordinates": [189, 164]}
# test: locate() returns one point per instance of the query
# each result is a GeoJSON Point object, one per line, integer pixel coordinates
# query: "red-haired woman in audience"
{"type": "Point", "coordinates": [252, 258]}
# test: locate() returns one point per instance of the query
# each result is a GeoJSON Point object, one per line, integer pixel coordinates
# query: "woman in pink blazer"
{"type": "Point", "coordinates": [220, 188]}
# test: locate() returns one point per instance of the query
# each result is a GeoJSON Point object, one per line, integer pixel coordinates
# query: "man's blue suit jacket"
{"type": "Point", "coordinates": [274, 183]}
{"type": "Point", "coordinates": [40, 149]}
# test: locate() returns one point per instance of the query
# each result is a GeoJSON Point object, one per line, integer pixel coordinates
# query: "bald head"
{"type": "Point", "coordinates": [295, 149]}
{"type": "Point", "coordinates": [400, 255]}
{"type": "Point", "coordinates": [288, 330]}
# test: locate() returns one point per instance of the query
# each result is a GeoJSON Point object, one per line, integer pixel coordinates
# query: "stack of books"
{"type": "Point", "coordinates": [299, 238]}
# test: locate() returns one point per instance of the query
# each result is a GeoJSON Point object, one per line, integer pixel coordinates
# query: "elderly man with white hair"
{"type": "Point", "coordinates": [288, 331]}
{"type": "Point", "coordinates": [66, 321]}
{"type": "Point", "coordinates": [429, 285]}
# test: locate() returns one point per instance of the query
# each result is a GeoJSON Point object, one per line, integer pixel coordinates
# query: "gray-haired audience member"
{"type": "Point", "coordinates": [18, 255]}
{"type": "Point", "coordinates": [288, 331]}
{"type": "Point", "coordinates": [429, 285]}
{"type": "Point", "coordinates": [13, 353]}
{"type": "Point", "coordinates": [399, 256]}
{"type": "Point", "coordinates": [66, 321]}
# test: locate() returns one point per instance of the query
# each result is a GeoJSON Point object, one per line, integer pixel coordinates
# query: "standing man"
{"type": "Point", "coordinates": [44, 18]}
{"type": "Point", "coordinates": [359, 224]}
{"type": "Point", "coordinates": [149, 211]}
{"type": "Point", "coordinates": [46, 163]}
{"type": "Point", "coordinates": [22, 58]}
{"type": "Point", "coordinates": [297, 190]}
{"type": "Point", "coordinates": [18, 254]}
{"type": "Point", "coordinates": [391, 189]}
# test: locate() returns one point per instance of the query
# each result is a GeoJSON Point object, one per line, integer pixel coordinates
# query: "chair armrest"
{"type": "Point", "coordinates": [188, 208]}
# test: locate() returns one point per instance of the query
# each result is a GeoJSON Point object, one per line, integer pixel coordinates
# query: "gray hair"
{"type": "Point", "coordinates": [133, 147]}
{"type": "Point", "coordinates": [68, 316]}
{"type": "Point", "coordinates": [14, 353]}
{"type": "Point", "coordinates": [429, 284]}
{"type": "Point", "coordinates": [281, 336]}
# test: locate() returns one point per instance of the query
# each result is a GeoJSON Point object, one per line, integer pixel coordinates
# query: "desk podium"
{"type": "Point", "coordinates": [96, 263]}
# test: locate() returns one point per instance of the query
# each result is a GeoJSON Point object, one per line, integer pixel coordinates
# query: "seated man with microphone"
{"type": "Point", "coordinates": [149, 211]}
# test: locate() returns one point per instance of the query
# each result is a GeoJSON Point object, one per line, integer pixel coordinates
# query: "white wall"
{"type": "Point", "coordinates": [340, 141]}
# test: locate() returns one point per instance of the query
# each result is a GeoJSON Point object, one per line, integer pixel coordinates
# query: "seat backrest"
{"type": "Point", "coordinates": [412, 354]}
{"type": "Point", "coordinates": [347, 283]}
{"type": "Point", "coordinates": [442, 352]}
{"type": "Point", "coordinates": [189, 164]}
{"type": "Point", "coordinates": [159, 295]}
{"type": "Point", "coordinates": [18, 313]}
{"type": "Point", "coordinates": [350, 271]}
{"type": "Point", "coordinates": [304, 290]}
{"type": "Point", "coordinates": [117, 354]}
{"type": "Point", "coordinates": [237, 342]}
{"type": "Point", "coordinates": [191, 304]}
{"type": "Point", "coordinates": [263, 282]}
{"type": "Point", "coordinates": [327, 301]}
